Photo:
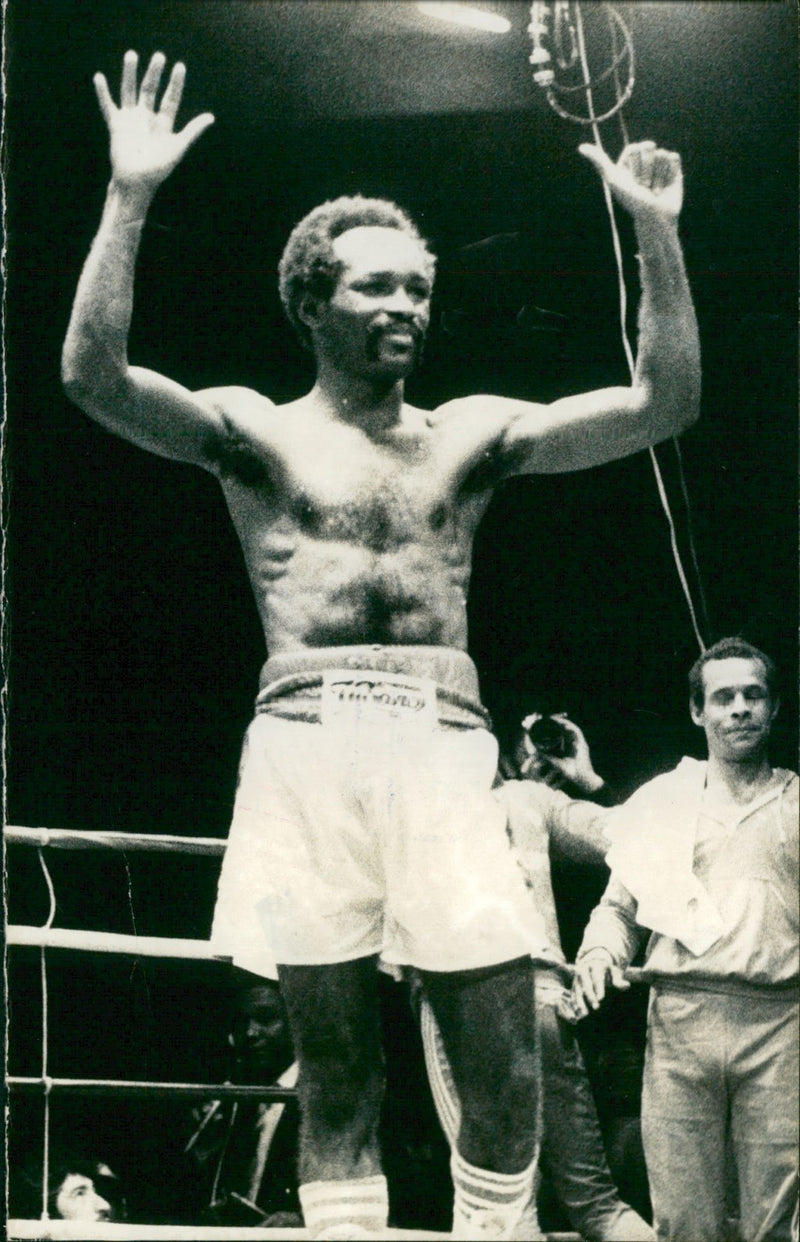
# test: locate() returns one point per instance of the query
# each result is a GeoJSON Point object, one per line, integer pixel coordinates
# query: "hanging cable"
{"type": "Point", "coordinates": [616, 57]}
{"type": "Point", "coordinates": [662, 491]}
{"type": "Point", "coordinates": [690, 534]}
{"type": "Point", "coordinates": [545, 77]}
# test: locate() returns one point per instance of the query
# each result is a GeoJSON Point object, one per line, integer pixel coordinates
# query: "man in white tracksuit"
{"type": "Point", "coordinates": [706, 858]}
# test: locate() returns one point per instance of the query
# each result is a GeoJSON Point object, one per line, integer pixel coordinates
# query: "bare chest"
{"type": "Point", "coordinates": [336, 484]}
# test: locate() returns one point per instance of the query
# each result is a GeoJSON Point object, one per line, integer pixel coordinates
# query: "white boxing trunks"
{"type": "Point", "coordinates": [364, 820]}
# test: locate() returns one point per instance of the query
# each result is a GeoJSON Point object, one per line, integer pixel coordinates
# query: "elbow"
{"type": "Point", "coordinates": [686, 411]}
{"type": "Point", "coordinates": [75, 376]}
{"type": "Point", "coordinates": [690, 388]}
{"type": "Point", "coordinates": [683, 387]}
{"type": "Point", "coordinates": [72, 382]}
{"type": "Point", "coordinates": [671, 404]}
{"type": "Point", "coordinates": [90, 386]}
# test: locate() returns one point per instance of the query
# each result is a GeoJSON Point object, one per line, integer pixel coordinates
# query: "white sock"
{"type": "Point", "coordinates": [487, 1204]}
{"type": "Point", "coordinates": [339, 1208]}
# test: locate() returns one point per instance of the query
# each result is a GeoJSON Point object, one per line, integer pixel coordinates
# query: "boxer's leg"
{"type": "Point", "coordinates": [333, 1012]}
{"type": "Point", "coordinates": [487, 1023]}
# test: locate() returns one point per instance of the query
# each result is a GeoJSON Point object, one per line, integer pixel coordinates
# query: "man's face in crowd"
{"type": "Point", "coordinates": [738, 709]}
{"type": "Point", "coordinates": [375, 322]}
{"type": "Point", "coordinates": [260, 1035]}
{"type": "Point", "coordinates": [77, 1199]}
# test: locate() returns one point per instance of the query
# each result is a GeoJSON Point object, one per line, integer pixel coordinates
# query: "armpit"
{"type": "Point", "coordinates": [487, 472]}
{"type": "Point", "coordinates": [232, 456]}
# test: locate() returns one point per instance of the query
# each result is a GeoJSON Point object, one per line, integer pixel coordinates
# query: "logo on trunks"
{"type": "Point", "coordinates": [378, 695]}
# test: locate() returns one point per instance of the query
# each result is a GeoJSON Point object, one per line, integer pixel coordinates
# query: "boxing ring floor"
{"type": "Point", "coordinates": [78, 1231]}
{"type": "Point", "coordinates": [47, 939]}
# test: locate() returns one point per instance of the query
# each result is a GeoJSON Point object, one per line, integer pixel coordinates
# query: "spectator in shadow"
{"type": "Point", "coordinates": [79, 1188]}
{"type": "Point", "coordinates": [242, 1152]}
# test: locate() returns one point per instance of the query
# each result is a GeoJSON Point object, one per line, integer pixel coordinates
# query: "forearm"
{"type": "Point", "coordinates": [667, 373]}
{"type": "Point", "coordinates": [95, 354]}
{"type": "Point", "coordinates": [662, 399]}
{"type": "Point", "coordinates": [613, 926]}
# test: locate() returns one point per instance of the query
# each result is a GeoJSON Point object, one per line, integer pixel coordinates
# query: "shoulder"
{"type": "Point", "coordinates": [508, 430]}
{"type": "Point", "coordinates": [242, 414]}
{"type": "Point", "coordinates": [492, 411]}
{"type": "Point", "coordinates": [790, 788]}
{"type": "Point", "coordinates": [234, 399]}
{"type": "Point", "coordinates": [660, 808]}
{"type": "Point", "coordinates": [247, 432]}
{"type": "Point", "coordinates": [479, 431]}
{"type": "Point", "coordinates": [687, 775]}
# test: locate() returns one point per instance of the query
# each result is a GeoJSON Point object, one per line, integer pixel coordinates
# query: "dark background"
{"type": "Point", "coordinates": [133, 645]}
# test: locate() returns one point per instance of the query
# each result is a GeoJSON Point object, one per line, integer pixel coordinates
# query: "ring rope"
{"type": "Point", "coordinates": [49, 937]}
{"type": "Point", "coordinates": [19, 934]}
{"type": "Point", "coordinates": [74, 839]}
{"type": "Point", "coordinates": [159, 1090]}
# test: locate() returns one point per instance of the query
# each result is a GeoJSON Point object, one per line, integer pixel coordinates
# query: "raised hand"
{"type": "Point", "coordinates": [144, 145]}
{"type": "Point", "coordinates": [558, 770]}
{"type": "Point", "coordinates": [645, 178]}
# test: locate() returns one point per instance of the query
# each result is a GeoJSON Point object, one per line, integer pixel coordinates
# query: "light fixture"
{"type": "Point", "coordinates": [465, 15]}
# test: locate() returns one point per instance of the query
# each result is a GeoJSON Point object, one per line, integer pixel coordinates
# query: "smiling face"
{"type": "Point", "coordinates": [737, 710]}
{"type": "Point", "coordinates": [375, 322]}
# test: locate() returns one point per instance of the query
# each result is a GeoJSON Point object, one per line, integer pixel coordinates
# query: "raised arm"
{"type": "Point", "coordinates": [144, 407]}
{"type": "Point", "coordinates": [664, 397]}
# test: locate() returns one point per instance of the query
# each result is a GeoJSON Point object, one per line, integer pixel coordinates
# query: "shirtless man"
{"type": "Point", "coordinates": [363, 822]}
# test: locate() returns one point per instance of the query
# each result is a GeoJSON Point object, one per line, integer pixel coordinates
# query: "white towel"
{"type": "Point", "coordinates": [652, 853]}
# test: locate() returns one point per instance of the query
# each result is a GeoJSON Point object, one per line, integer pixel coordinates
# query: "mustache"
{"type": "Point", "coordinates": [377, 331]}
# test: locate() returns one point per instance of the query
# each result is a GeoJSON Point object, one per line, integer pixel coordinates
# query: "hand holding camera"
{"type": "Point", "coordinates": [558, 753]}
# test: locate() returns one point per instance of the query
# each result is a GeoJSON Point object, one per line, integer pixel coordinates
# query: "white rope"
{"type": "Point", "coordinates": [690, 532]}
{"type": "Point", "coordinates": [113, 942]}
{"type": "Point", "coordinates": [192, 1090]}
{"type": "Point", "coordinates": [46, 1081]}
{"type": "Point", "coordinates": [75, 839]}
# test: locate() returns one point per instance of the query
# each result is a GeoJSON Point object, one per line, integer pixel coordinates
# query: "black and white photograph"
{"type": "Point", "coordinates": [400, 615]}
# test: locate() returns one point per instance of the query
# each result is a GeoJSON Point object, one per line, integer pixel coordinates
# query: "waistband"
{"type": "Point", "coordinates": [290, 684]}
{"type": "Point", "coordinates": [788, 991]}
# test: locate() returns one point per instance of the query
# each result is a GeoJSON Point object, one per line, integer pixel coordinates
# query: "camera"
{"type": "Point", "coordinates": [551, 737]}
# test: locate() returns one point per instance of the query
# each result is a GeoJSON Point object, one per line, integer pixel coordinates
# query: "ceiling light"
{"type": "Point", "coordinates": [464, 15]}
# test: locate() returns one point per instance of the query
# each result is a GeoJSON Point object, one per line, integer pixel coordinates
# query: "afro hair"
{"type": "Point", "coordinates": [308, 264]}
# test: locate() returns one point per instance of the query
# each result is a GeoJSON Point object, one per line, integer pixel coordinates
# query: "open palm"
{"type": "Point", "coordinates": [144, 144]}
